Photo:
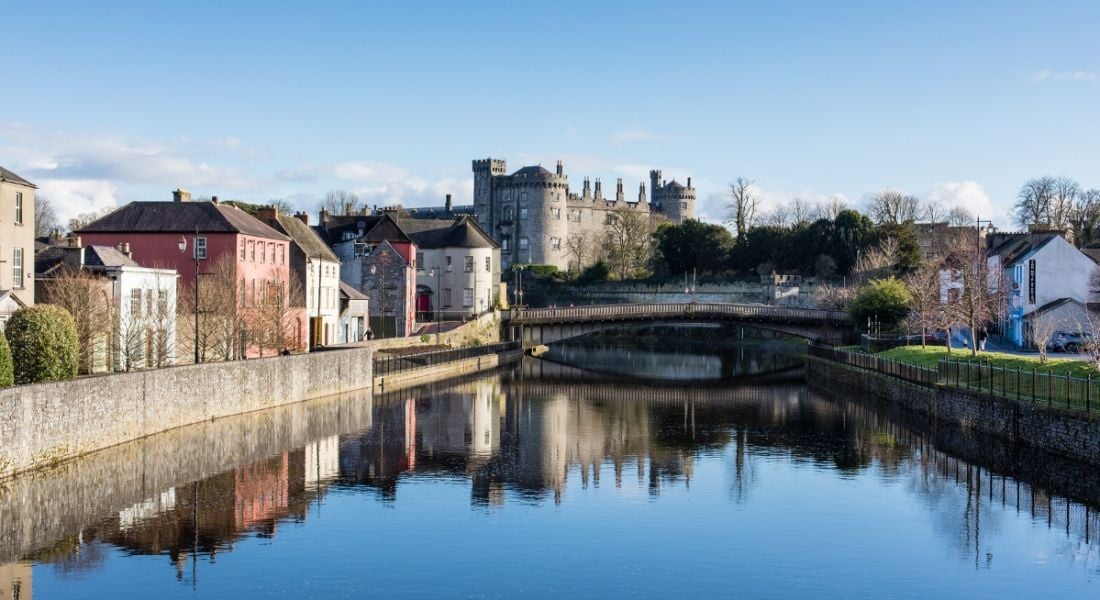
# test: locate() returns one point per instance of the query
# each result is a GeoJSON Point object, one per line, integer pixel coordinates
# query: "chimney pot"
{"type": "Point", "coordinates": [214, 199]}
{"type": "Point", "coordinates": [303, 217]}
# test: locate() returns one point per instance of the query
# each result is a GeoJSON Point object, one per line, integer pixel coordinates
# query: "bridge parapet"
{"type": "Point", "coordinates": [638, 312]}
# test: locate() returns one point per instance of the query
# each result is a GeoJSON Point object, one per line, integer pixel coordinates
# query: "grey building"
{"type": "Point", "coordinates": [537, 219]}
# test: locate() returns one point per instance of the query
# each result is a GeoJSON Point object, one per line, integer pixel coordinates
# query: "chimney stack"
{"type": "Point", "coordinates": [447, 205]}
{"type": "Point", "coordinates": [74, 252]}
{"type": "Point", "coordinates": [303, 217]}
{"type": "Point", "coordinates": [689, 182]}
{"type": "Point", "coordinates": [619, 189]}
{"type": "Point", "coordinates": [124, 248]}
{"type": "Point", "coordinates": [181, 195]}
{"type": "Point", "coordinates": [214, 199]}
{"type": "Point", "coordinates": [267, 214]}
{"type": "Point", "coordinates": [561, 169]}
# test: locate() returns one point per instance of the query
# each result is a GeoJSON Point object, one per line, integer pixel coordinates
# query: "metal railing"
{"type": "Point", "coordinates": [1013, 383]}
{"type": "Point", "coordinates": [610, 312]}
{"type": "Point", "coordinates": [901, 370]}
{"type": "Point", "coordinates": [396, 364]}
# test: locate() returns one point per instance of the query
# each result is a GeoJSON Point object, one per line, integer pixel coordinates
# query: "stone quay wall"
{"type": "Point", "coordinates": [1065, 433]}
{"type": "Point", "coordinates": [44, 424]}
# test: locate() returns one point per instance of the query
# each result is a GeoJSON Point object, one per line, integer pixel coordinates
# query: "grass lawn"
{"type": "Point", "coordinates": [930, 356]}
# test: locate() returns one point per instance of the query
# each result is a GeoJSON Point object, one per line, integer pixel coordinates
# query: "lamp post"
{"type": "Point", "coordinates": [195, 250]}
{"type": "Point", "coordinates": [318, 322]}
{"type": "Point", "coordinates": [978, 257]}
{"type": "Point", "coordinates": [381, 287]}
{"type": "Point", "coordinates": [437, 273]}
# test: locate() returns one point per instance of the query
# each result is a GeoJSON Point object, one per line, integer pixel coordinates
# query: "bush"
{"type": "Point", "coordinates": [7, 376]}
{"type": "Point", "coordinates": [43, 344]}
{"type": "Point", "coordinates": [594, 273]}
{"type": "Point", "coordinates": [884, 300]}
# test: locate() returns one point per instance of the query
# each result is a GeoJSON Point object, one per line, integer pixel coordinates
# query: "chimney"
{"type": "Point", "coordinates": [447, 204]}
{"type": "Point", "coordinates": [214, 199]}
{"type": "Point", "coordinates": [303, 217]}
{"type": "Point", "coordinates": [124, 248]}
{"type": "Point", "coordinates": [689, 182]}
{"type": "Point", "coordinates": [587, 189]}
{"type": "Point", "coordinates": [267, 214]}
{"type": "Point", "coordinates": [74, 252]}
{"type": "Point", "coordinates": [599, 190]}
{"type": "Point", "coordinates": [561, 170]}
{"type": "Point", "coordinates": [322, 218]}
{"type": "Point", "coordinates": [619, 189]}
{"type": "Point", "coordinates": [181, 195]}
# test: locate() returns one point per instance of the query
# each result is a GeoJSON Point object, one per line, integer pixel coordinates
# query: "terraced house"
{"type": "Point", "coordinates": [16, 243]}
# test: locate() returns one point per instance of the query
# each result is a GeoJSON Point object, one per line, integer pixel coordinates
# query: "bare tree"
{"type": "Point", "coordinates": [832, 207]}
{"type": "Point", "coordinates": [877, 262]}
{"type": "Point", "coordinates": [45, 217]}
{"type": "Point", "coordinates": [924, 290]}
{"type": "Point", "coordinates": [222, 331]}
{"type": "Point", "coordinates": [894, 207]}
{"type": "Point", "coordinates": [934, 212]}
{"type": "Point", "coordinates": [579, 251]}
{"type": "Point", "coordinates": [981, 296]}
{"type": "Point", "coordinates": [282, 205]}
{"type": "Point", "coordinates": [959, 217]}
{"type": "Point", "coordinates": [1063, 201]}
{"type": "Point", "coordinates": [1033, 201]}
{"type": "Point", "coordinates": [741, 211]}
{"type": "Point", "coordinates": [341, 202]}
{"type": "Point", "coordinates": [629, 244]}
{"type": "Point", "coordinates": [780, 216]}
{"type": "Point", "coordinates": [1085, 219]}
{"type": "Point", "coordinates": [831, 296]}
{"type": "Point", "coordinates": [88, 298]}
{"type": "Point", "coordinates": [801, 211]}
{"type": "Point", "coordinates": [272, 318]}
{"type": "Point", "coordinates": [1039, 334]}
{"type": "Point", "coordinates": [84, 219]}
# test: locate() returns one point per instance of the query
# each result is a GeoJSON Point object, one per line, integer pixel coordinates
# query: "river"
{"type": "Point", "coordinates": [662, 473]}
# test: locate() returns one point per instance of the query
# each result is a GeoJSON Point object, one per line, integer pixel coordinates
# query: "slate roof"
{"type": "Point", "coordinates": [349, 292]}
{"type": "Point", "coordinates": [304, 236]}
{"type": "Point", "coordinates": [674, 184]}
{"type": "Point", "coordinates": [181, 217]}
{"type": "Point", "coordinates": [533, 171]}
{"type": "Point", "coordinates": [6, 175]}
{"type": "Point", "coordinates": [104, 257]}
{"type": "Point", "coordinates": [376, 228]}
{"type": "Point", "coordinates": [463, 232]}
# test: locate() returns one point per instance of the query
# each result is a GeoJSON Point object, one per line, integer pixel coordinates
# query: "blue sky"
{"type": "Point", "coordinates": [958, 101]}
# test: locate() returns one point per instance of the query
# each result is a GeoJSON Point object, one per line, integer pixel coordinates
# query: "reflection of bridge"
{"type": "Point", "coordinates": [549, 368]}
{"type": "Point", "coordinates": [547, 325]}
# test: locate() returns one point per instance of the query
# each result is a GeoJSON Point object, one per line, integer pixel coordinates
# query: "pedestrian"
{"type": "Point", "coordinates": [982, 335]}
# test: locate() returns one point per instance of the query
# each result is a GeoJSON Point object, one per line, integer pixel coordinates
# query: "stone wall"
{"type": "Point", "coordinates": [43, 424]}
{"type": "Point", "coordinates": [1068, 434]}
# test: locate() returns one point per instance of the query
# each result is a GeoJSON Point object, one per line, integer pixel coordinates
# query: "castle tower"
{"type": "Point", "coordinates": [677, 202]}
{"type": "Point", "coordinates": [599, 190]}
{"type": "Point", "coordinates": [654, 186]}
{"type": "Point", "coordinates": [641, 192]}
{"type": "Point", "coordinates": [586, 193]}
{"type": "Point", "coordinates": [484, 172]}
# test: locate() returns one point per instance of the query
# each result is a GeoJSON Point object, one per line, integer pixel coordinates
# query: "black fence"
{"type": "Point", "coordinates": [901, 370]}
{"type": "Point", "coordinates": [1015, 383]}
{"type": "Point", "coordinates": [409, 362]}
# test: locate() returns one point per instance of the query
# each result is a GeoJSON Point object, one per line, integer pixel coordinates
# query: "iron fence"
{"type": "Point", "coordinates": [397, 364]}
{"type": "Point", "coordinates": [1014, 383]}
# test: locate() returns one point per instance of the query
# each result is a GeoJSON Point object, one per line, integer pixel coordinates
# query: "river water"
{"type": "Point", "coordinates": [722, 475]}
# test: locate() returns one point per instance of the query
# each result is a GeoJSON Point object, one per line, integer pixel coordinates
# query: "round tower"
{"type": "Point", "coordinates": [677, 201]}
{"type": "Point", "coordinates": [541, 215]}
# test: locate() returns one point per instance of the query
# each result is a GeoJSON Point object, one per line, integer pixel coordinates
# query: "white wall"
{"type": "Point", "coordinates": [147, 282]}
{"type": "Point", "coordinates": [329, 307]}
{"type": "Point", "coordinates": [484, 283]}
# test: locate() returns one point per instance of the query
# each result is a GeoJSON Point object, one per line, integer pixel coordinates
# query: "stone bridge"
{"type": "Point", "coordinates": [535, 326]}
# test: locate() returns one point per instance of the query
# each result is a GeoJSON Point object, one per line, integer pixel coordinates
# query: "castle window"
{"type": "Point", "coordinates": [523, 214]}
{"type": "Point", "coordinates": [683, 205]}
{"type": "Point", "coordinates": [556, 198]}
{"type": "Point", "coordinates": [577, 215]}
{"type": "Point", "coordinates": [556, 212]}
{"type": "Point", "coordinates": [508, 215]}
{"type": "Point", "coordinates": [523, 197]}
{"type": "Point", "coordinates": [522, 243]}
{"type": "Point", "coordinates": [555, 243]}
{"type": "Point", "coordinates": [504, 243]}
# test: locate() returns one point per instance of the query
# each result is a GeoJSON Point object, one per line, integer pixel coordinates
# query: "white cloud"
{"type": "Point", "coordinates": [71, 197]}
{"type": "Point", "coordinates": [1049, 75]}
{"type": "Point", "coordinates": [385, 184]}
{"type": "Point", "coordinates": [971, 196]}
{"type": "Point", "coordinates": [638, 135]}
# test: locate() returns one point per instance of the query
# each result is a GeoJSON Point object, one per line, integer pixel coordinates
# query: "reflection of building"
{"type": "Point", "coordinates": [15, 581]}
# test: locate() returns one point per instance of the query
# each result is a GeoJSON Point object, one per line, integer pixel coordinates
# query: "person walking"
{"type": "Point", "coordinates": [982, 336]}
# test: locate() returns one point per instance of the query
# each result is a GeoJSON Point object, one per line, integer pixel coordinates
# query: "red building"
{"type": "Point", "coordinates": [225, 242]}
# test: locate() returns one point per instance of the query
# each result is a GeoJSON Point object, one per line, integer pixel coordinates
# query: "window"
{"type": "Point", "coordinates": [577, 215]}
{"type": "Point", "coordinates": [555, 243]}
{"type": "Point", "coordinates": [523, 214]}
{"type": "Point", "coordinates": [282, 254]}
{"type": "Point", "coordinates": [271, 251]}
{"type": "Point", "coordinates": [349, 235]}
{"type": "Point", "coordinates": [504, 243]}
{"type": "Point", "coordinates": [447, 297]}
{"type": "Point", "coordinates": [363, 249]}
{"type": "Point", "coordinates": [522, 243]}
{"type": "Point", "coordinates": [555, 198]}
{"type": "Point", "coordinates": [243, 254]}
{"type": "Point", "coordinates": [683, 205]}
{"type": "Point", "coordinates": [556, 212]}
{"type": "Point", "coordinates": [447, 262]}
{"type": "Point", "coordinates": [243, 295]}
{"type": "Point", "coordinates": [468, 297]}
{"type": "Point", "coordinates": [135, 304]}
{"type": "Point", "coordinates": [508, 214]}
{"type": "Point", "coordinates": [263, 252]}
{"type": "Point", "coordinates": [200, 248]}
{"type": "Point", "coordinates": [488, 264]}
{"type": "Point", "coordinates": [523, 197]}
{"type": "Point", "coordinates": [17, 267]}
{"type": "Point", "coordinates": [252, 294]}
{"type": "Point", "coordinates": [18, 208]}
{"type": "Point", "coordinates": [162, 302]}
{"type": "Point", "coordinates": [252, 250]}
{"type": "Point", "coordinates": [469, 264]}
{"type": "Point", "coordinates": [419, 261]}
{"type": "Point", "coordinates": [150, 304]}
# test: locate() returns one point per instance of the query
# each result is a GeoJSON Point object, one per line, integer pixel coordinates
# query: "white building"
{"type": "Point", "coordinates": [457, 268]}
{"type": "Point", "coordinates": [1048, 278]}
{"type": "Point", "coordinates": [17, 206]}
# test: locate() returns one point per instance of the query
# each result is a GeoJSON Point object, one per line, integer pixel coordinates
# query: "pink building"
{"type": "Point", "coordinates": [222, 238]}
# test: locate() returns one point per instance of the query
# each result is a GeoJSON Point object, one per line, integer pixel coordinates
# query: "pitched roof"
{"type": "Point", "coordinates": [674, 185]}
{"type": "Point", "coordinates": [347, 291]}
{"type": "Point", "coordinates": [304, 236]}
{"type": "Point", "coordinates": [463, 232]}
{"type": "Point", "coordinates": [181, 217]}
{"type": "Point", "coordinates": [368, 228]}
{"type": "Point", "coordinates": [6, 175]}
{"type": "Point", "coordinates": [533, 171]}
{"type": "Point", "coordinates": [106, 256]}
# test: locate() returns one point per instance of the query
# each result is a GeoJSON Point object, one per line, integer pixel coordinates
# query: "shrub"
{"type": "Point", "coordinates": [6, 372]}
{"type": "Point", "coordinates": [594, 273]}
{"type": "Point", "coordinates": [886, 300]}
{"type": "Point", "coordinates": [43, 344]}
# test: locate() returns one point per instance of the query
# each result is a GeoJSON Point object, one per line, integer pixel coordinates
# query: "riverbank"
{"type": "Point", "coordinates": [1067, 433]}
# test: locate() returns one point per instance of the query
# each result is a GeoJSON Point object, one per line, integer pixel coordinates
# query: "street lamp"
{"type": "Point", "coordinates": [437, 273]}
{"type": "Point", "coordinates": [381, 287]}
{"type": "Point", "coordinates": [978, 256]}
{"type": "Point", "coordinates": [182, 244]}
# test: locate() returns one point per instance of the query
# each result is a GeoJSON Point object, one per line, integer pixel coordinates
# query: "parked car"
{"type": "Point", "coordinates": [1068, 341]}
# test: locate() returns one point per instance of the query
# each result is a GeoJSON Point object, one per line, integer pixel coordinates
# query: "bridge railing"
{"type": "Point", "coordinates": [620, 311]}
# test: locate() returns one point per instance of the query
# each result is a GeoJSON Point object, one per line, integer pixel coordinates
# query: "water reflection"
{"type": "Point", "coordinates": [529, 441]}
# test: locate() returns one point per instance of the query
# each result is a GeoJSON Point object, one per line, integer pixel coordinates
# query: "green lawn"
{"type": "Point", "coordinates": [930, 357]}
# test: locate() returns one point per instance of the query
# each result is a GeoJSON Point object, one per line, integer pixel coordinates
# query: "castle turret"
{"type": "Point", "coordinates": [586, 192]}
{"type": "Point", "coordinates": [599, 190]}
{"type": "Point", "coordinates": [619, 190]}
{"type": "Point", "coordinates": [641, 192]}
{"type": "Point", "coordinates": [654, 185]}
{"type": "Point", "coordinates": [675, 201]}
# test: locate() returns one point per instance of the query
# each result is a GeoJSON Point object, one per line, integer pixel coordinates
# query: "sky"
{"type": "Point", "coordinates": [111, 102]}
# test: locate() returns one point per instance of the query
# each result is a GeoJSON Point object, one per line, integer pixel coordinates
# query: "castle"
{"type": "Point", "coordinates": [537, 219]}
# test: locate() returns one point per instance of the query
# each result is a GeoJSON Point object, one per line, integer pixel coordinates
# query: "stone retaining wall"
{"type": "Point", "coordinates": [43, 424]}
{"type": "Point", "coordinates": [457, 368]}
{"type": "Point", "coordinates": [1061, 432]}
